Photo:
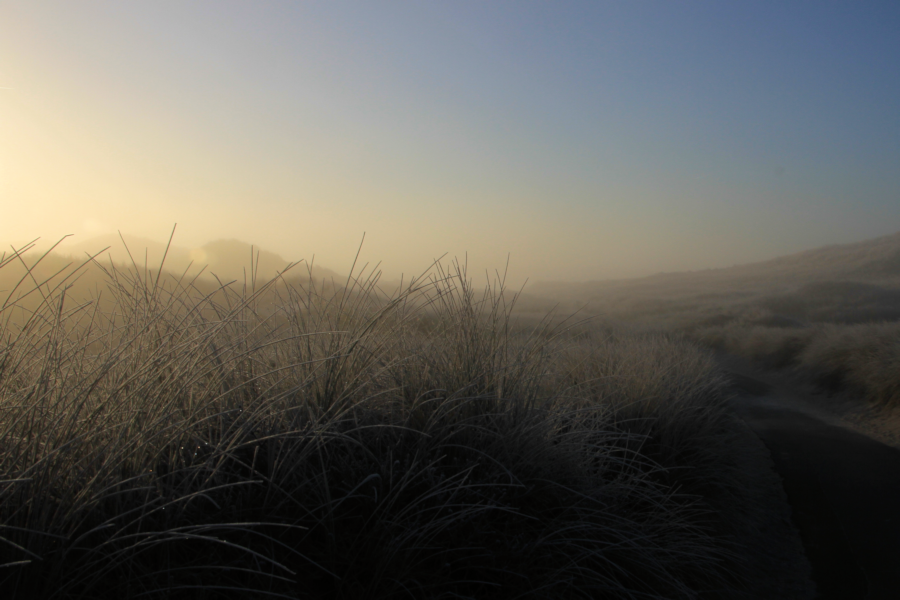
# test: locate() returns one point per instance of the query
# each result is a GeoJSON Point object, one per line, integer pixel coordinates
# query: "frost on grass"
{"type": "Point", "coordinates": [165, 437]}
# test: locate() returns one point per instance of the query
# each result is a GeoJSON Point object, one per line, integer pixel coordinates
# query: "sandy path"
{"type": "Point", "coordinates": [843, 488]}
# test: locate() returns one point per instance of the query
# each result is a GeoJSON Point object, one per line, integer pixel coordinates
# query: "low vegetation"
{"type": "Point", "coordinates": [163, 439]}
{"type": "Point", "coordinates": [829, 317]}
{"type": "Point", "coordinates": [862, 359]}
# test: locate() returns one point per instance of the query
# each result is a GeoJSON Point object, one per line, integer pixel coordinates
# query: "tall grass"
{"type": "Point", "coordinates": [161, 439]}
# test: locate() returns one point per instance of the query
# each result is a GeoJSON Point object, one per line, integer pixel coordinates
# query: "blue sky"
{"type": "Point", "coordinates": [585, 139]}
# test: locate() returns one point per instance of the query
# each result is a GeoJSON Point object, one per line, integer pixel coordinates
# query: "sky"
{"type": "Point", "coordinates": [579, 140]}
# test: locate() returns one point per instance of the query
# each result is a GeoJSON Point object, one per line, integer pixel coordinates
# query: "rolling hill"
{"type": "Point", "coordinates": [849, 282]}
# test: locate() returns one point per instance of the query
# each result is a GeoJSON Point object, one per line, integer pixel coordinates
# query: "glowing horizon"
{"type": "Point", "coordinates": [583, 141]}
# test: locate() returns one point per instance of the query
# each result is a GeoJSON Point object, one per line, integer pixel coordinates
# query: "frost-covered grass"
{"type": "Point", "coordinates": [169, 439]}
{"type": "Point", "coordinates": [861, 359]}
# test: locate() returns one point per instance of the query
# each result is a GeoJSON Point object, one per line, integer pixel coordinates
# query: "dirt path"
{"type": "Point", "coordinates": [843, 488]}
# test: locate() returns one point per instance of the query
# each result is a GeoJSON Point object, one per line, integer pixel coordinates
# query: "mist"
{"type": "Point", "coordinates": [281, 346]}
{"type": "Point", "coordinates": [579, 143]}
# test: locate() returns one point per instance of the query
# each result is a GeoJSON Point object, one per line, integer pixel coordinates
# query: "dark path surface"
{"type": "Point", "coordinates": [843, 488]}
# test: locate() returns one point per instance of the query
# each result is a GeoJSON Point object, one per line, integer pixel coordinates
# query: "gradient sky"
{"type": "Point", "coordinates": [585, 139]}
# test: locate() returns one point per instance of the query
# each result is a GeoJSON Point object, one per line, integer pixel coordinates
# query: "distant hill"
{"type": "Point", "coordinates": [226, 259]}
{"type": "Point", "coordinates": [871, 259]}
{"type": "Point", "coordinates": [845, 283]}
{"type": "Point", "coordinates": [865, 268]}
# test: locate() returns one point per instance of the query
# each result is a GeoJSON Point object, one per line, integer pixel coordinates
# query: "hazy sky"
{"type": "Point", "coordinates": [586, 139]}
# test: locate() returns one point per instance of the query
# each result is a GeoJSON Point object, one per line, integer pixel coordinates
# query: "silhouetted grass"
{"type": "Point", "coordinates": [307, 441]}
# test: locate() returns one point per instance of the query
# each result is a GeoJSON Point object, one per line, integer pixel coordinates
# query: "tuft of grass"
{"type": "Point", "coordinates": [304, 440]}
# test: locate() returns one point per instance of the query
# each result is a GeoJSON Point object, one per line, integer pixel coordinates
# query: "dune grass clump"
{"type": "Point", "coordinates": [773, 347]}
{"type": "Point", "coordinates": [862, 359]}
{"type": "Point", "coordinates": [311, 441]}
